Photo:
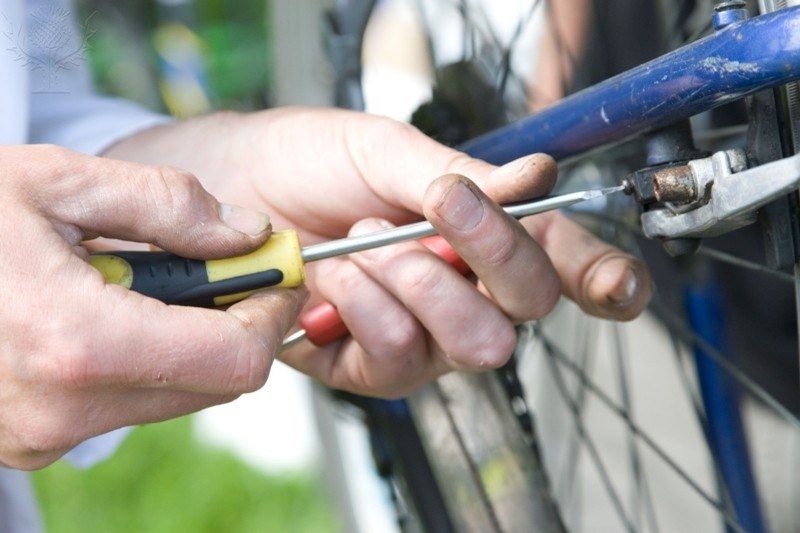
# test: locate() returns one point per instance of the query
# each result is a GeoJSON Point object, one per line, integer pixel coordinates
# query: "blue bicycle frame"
{"type": "Point", "coordinates": [738, 60]}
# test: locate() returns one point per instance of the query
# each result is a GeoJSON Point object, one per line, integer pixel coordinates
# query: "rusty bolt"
{"type": "Point", "coordinates": [675, 184]}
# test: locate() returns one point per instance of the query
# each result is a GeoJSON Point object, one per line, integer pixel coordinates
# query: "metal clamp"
{"type": "Point", "coordinates": [727, 197]}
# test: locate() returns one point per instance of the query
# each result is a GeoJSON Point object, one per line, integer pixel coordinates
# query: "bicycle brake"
{"type": "Point", "coordinates": [709, 196]}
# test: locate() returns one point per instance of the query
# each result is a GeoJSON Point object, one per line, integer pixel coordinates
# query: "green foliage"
{"type": "Point", "coordinates": [235, 41]}
{"type": "Point", "coordinates": [163, 480]}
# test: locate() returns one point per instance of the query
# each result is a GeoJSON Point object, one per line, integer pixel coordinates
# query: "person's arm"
{"type": "Point", "coordinates": [330, 172]}
{"type": "Point", "coordinates": [79, 357]}
{"type": "Point", "coordinates": [64, 108]}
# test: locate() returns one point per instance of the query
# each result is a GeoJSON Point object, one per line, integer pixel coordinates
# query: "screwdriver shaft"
{"type": "Point", "coordinates": [425, 229]}
{"type": "Point", "coordinates": [419, 230]}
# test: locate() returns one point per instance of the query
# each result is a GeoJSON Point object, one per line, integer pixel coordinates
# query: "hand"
{"type": "Point", "coordinates": [412, 317]}
{"type": "Point", "coordinates": [78, 357]}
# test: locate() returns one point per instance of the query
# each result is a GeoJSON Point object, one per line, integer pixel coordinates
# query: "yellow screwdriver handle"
{"type": "Point", "coordinates": [177, 280]}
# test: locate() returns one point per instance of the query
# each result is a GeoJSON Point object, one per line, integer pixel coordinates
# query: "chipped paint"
{"type": "Point", "coordinates": [603, 115]}
{"type": "Point", "coordinates": [723, 65]}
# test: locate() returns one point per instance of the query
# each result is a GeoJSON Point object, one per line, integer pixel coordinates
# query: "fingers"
{"type": "Point", "coordinates": [512, 266]}
{"type": "Point", "coordinates": [124, 339]}
{"type": "Point", "coordinates": [390, 349]}
{"type": "Point", "coordinates": [469, 328]}
{"type": "Point", "coordinates": [375, 145]}
{"type": "Point", "coordinates": [602, 279]}
{"type": "Point", "coordinates": [159, 205]}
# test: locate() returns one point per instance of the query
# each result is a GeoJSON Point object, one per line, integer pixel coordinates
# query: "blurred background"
{"type": "Point", "coordinates": [258, 464]}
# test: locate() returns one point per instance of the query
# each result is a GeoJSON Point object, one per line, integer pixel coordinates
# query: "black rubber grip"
{"type": "Point", "coordinates": [177, 280]}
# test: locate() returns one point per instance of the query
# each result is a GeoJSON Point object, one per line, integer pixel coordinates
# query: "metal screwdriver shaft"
{"type": "Point", "coordinates": [324, 320]}
{"type": "Point", "coordinates": [419, 230]}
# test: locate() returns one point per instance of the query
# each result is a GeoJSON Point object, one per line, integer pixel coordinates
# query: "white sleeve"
{"type": "Point", "coordinates": [64, 109]}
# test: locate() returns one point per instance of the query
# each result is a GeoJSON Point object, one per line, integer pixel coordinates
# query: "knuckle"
{"type": "Point", "coordinates": [545, 300]}
{"type": "Point", "coordinates": [502, 247]}
{"type": "Point", "coordinates": [68, 363]}
{"type": "Point", "coordinates": [496, 353]}
{"type": "Point", "coordinates": [398, 340]}
{"type": "Point", "coordinates": [394, 128]}
{"type": "Point", "coordinates": [352, 281]}
{"type": "Point", "coordinates": [459, 162]}
{"type": "Point", "coordinates": [43, 437]}
{"type": "Point", "coordinates": [173, 189]}
{"type": "Point", "coordinates": [57, 154]}
{"type": "Point", "coordinates": [56, 162]}
{"type": "Point", "coordinates": [422, 281]}
{"type": "Point", "coordinates": [182, 188]}
{"type": "Point", "coordinates": [251, 367]}
{"type": "Point", "coordinates": [27, 463]}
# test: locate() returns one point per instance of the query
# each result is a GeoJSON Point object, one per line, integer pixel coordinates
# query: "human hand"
{"type": "Point", "coordinates": [79, 357]}
{"type": "Point", "coordinates": [328, 173]}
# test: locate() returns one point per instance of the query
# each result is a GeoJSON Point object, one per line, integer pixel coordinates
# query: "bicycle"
{"type": "Point", "coordinates": [490, 452]}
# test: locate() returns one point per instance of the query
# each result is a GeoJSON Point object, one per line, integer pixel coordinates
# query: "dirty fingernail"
{"type": "Point", "coordinates": [243, 220]}
{"type": "Point", "coordinates": [625, 288]}
{"type": "Point", "coordinates": [369, 225]}
{"type": "Point", "coordinates": [460, 207]}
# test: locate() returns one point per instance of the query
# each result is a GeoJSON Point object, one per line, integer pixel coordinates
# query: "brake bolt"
{"type": "Point", "coordinates": [675, 184]}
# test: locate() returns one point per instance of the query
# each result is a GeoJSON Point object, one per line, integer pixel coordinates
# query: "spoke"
{"type": "Point", "coordinates": [556, 355]}
{"type": "Point", "coordinates": [711, 253]}
{"type": "Point", "coordinates": [691, 392]}
{"type": "Point", "coordinates": [697, 407]}
{"type": "Point", "coordinates": [724, 257]}
{"type": "Point", "coordinates": [467, 51]}
{"type": "Point", "coordinates": [474, 470]}
{"type": "Point", "coordinates": [694, 339]}
{"type": "Point", "coordinates": [587, 440]}
{"type": "Point", "coordinates": [640, 497]}
{"type": "Point", "coordinates": [584, 360]}
{"type": "Point", "coordinates": [509, 50]}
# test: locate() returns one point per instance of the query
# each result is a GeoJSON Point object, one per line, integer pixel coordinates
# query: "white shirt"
{"type": "Point", "coordinates": [45, 86]}
{"type": "Point", "coordinates": [46, 97]}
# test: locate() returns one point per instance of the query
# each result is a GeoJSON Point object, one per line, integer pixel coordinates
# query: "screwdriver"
{"type": "Point", "coordinates": [278, 263]}
{"type": "Point", "coordinates": [323, 325]}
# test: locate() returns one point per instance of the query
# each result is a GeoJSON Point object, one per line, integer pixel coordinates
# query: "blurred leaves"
{"type": "Point", "coordinates": [235, 46]}
{"type": "Point", "coordinates": [163, 480]}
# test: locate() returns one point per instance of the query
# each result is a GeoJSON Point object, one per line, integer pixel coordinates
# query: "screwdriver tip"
{"type": "Point", "coordinates": [597, 193]}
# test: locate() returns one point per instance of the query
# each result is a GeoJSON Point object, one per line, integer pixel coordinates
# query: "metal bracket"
{"type": "Point", "coordinates": [732, 196]}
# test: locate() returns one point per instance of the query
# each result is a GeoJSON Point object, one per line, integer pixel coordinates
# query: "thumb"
{"type": "Point", "coordinates": [163, 206]}
{"type": "Point", "coordinates": [400, 162]}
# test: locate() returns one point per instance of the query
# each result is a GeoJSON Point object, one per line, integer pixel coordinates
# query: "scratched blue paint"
{"type": "Point", "coordinates": [741, 59]}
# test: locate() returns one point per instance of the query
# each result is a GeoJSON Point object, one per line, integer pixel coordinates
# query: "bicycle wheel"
{"type": "Point", "coordinates": [595, 425]}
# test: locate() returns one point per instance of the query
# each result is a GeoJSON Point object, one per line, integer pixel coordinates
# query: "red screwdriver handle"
{"type": "Point", "coordinates": [324, 325]}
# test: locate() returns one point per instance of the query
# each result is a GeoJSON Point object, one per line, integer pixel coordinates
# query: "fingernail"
{"type": "Point", "coordinates": [625, 289]}
{"type": "Point", "coordinates": [243, 220]}
{"type": "Point", "coordinates": [369, 225]}
{"type": "Point", "coordinates": [460, 207]}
